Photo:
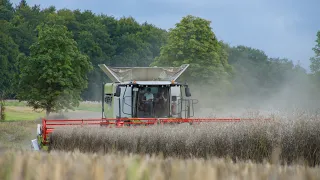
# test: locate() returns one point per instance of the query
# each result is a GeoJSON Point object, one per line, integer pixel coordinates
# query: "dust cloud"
{"type": "Point", "coordinates": [294, 94]}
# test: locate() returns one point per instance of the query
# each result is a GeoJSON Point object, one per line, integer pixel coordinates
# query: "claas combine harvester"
{"type": "Point", "coordinates": [137, 96]}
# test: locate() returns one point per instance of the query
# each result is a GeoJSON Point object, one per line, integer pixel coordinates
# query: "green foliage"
{"type": "Point", "coordinates": [94, 41]}
{"type": "Point", "coordinates": [6, 10]}
{"type": "Point", "coordinates": [55, 73]}
{"type": "Point", "coordinates": [103, 39]}
{"type": "Point", "coordinates": [315, 68]}
{"type": "Point", "coordinates": [192, 42]}
{"type": "Point", "coordinates": [24, 22]}
{"type": "Point", "coordinates": [315, 61]}
{"type": "Point", "coordinates": [8, 55]}
{"type": "Point", "coordinates": [250, 67]}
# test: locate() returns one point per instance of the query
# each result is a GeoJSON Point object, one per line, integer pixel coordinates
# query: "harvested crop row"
{"type": "Point", "coordinates": [58, 165]}
{"type": "Point", "coordinates": [298, 141]}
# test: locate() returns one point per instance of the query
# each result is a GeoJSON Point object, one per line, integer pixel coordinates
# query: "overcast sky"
{"type": "Point", "coordinates": [280, 28]}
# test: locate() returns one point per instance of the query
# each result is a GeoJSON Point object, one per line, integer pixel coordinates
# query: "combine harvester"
{"type": "Point", "coordinates": [137, 96]}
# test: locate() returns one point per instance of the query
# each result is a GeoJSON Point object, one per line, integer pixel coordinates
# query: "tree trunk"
{"type": "Point", "coordinates": [0, 111]}
{"type": "Point", "coordinates": [48, 111]}
{"type": "Point", "coordinates": [2, 108]}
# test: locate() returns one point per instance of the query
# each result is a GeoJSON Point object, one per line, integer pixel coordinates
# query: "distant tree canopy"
{"type": "Point", "coordinates": [8, 54]}
{"type": "Point", "coordinates": [192, 42]}
{"type": "Point", "coordinates": [315, 61]}
{"type": "Point", "coordinates": [238, 71]}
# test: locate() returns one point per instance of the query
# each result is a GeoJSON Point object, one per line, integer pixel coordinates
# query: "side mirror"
{"type": "Point", "coordinates": [118, 92]}
{"type": "Point", "coordinates": [187, 91]}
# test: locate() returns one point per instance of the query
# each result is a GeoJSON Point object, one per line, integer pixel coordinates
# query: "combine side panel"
{"type": "Point", "coordinates": [184, 103]}
{"type": "Point", "coordinates": [125, 102]}
{"type": "Point", "coordinates": [175, 107]}
{"type": "Point", "coordinates": [109, 100]}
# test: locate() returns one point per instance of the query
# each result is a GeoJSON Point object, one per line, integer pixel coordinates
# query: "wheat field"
{"type": "Point", "coordinates": [283, 148]}
{"type": "Point", "coordinates": [298, 140]}
{"type": "Point", "coordinates": [16, 165]}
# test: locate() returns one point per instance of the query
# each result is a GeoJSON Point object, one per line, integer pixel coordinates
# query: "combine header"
{"type": "Point", "coordinates": [137, 96]}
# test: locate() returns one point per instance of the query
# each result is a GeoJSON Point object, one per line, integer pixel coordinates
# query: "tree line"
{"type": "Point", "coordinates": [50, 58]}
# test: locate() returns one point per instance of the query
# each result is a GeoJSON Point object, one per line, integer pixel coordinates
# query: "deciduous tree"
{"type": "Point", "coordinates": [55, 74]}
{"type": "Point", "coordinates": [193, 42]}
